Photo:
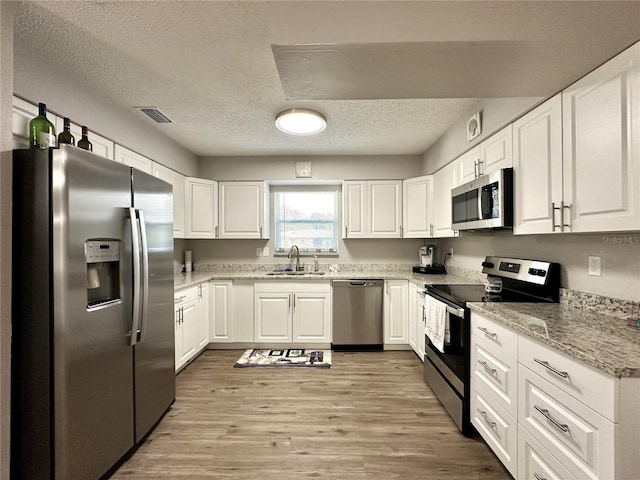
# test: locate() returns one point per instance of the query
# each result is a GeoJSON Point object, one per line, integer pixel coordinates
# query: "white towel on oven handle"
{"type": "Point", "coordinates": [436, 322]}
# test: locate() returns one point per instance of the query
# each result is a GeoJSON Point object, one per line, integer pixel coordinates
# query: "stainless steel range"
{"type": "Point", "coordinates": [447, 370]}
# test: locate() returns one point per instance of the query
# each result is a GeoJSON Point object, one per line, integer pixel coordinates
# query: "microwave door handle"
{"type": "Point", "coordinates": [485, 203]}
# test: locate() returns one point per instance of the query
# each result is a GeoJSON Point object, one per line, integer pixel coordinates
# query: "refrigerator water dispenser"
{"type": "Point", "coordinates": [103, 272]}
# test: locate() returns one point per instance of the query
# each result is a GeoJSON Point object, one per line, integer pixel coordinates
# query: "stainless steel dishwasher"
{"type": "Point", "coordinates": [357, 314]}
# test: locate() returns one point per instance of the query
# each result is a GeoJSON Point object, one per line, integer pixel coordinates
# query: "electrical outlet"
{"type": "Point", "coordinates": [265, 252]}
{"type": "Point", "coordinates": [595, 266]}
{"type": "Point", "coordinates": [258, 252]}
{"type": "Point", "coordinates": [451, 251]}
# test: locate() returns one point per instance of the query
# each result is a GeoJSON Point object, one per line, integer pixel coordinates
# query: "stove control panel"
{"type": "Point", "coordinates": [531, 271]}
{"type": "Point", "coordinates": [509, 267]}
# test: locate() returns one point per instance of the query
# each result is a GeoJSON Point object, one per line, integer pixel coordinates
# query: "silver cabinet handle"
{"type": "Point", "coordinates": [480, 172]}
{"type": "Point", "coordinates": [492, 371]}
{"type": "Point", "coordinates": [289, 296]}
{"type": "Point", "coordinates": [215, 231]}
{"type": "Point", "coordinates": [200, 291]}
{"type": "Point", "coordinates": [561, 426]}
{"type": "Point", "coordinates": [475, 169]}
{"type": "Point", "coordinates": [431, 229]}
{"type": "Point", "coordinates": [568, 207]}
{"type": "Point", "coordinates": [485, 417]}
{"type": "Point", "coordinates": [261, 232]}
{"type": "Point", "coordinates": [346, 231]}
{"type": "Point", "coordinates": [538, 477]}
{"type": "Point", "coordinates": [553, 216]}
{"type": "Point", "coordinates": [487, 332]}
{"type": "Point", "coordinates": [179, 299]}
{"type": "Point", "coordinates": [546, 365]}
{"type": "Point", "coordinates": [401, 231]}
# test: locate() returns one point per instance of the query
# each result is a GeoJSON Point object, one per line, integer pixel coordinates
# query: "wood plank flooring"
{"type": "Point", "coordinates": [369, 417]}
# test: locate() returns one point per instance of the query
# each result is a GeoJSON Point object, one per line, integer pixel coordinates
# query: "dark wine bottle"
{"type": "Point", "coordinates": [42, 133]}
{"type": "Point", "coordinates": [66, 136]}
{"type": "Point", "coordinates": [84, 141]}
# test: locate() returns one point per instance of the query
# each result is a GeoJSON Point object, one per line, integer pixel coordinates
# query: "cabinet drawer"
{"type": "Point", "coordinates": [498, 335]}
{"type": "Point", "coordinates": [536, 463]}
{"type": "Point", "coordinates": [496, 372]}
{"type": "Point", "coordinates": [592, 387]}
{"type": "Point", "coordinates": [185, 295]}
{"type": "Point", "coordinates": [301, 286]}
{"type": "Point", "coordinates": [573, 433]}
{"type": "Point", "coordinates": [497, 427]}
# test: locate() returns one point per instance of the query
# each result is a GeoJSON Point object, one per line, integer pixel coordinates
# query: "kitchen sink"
{"type": "Point", "coordinates": [292, 273]}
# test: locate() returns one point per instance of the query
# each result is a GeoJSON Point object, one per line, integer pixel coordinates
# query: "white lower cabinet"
{"type": "Point", "coordinates": [573, 421]}
{"type": "Point", "coordinates": [292, 312]}
{"type": "Point", "coordinates": [221, 311]}
{"type": "Point", "coordinates": [396, 312]}
{"type": "Point", "coordinates": [413, 317]}
{"type": "Point", "coordinates": [191, 321]}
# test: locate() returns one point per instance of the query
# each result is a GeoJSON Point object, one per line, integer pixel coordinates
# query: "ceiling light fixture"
{"type": "Point", "coordinates": [300, 121]}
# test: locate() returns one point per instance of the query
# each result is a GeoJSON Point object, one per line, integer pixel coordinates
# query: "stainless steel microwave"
{"type": "Point", "coordinates": [484, 203]}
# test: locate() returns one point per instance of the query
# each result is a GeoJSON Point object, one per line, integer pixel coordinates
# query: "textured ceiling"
{"type": "Point", "coordinates": [396, 75]}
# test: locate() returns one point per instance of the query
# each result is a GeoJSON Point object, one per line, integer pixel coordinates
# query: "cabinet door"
{"type": "Point", "coordinates": [354, 195]}
{"type": "Point", "coordinates": [537, 169]}
{"type": "Point", "coordinates": [201, 208]}
{"type": "Point", "coordinates": [189, 332]}
{"type": "Point", "coordinates": [242, 210]}
{"type": "Point", "coordinates": [396, 316]}
{"type": "Point", "coordinates": [417, 194]}
{"type": "Point", "coordinates": [221, 311]}
{"type": "Point", "coordinates": [312, 317]}
{"type": "Point", "coordinates": [23, 112]}
{"type": "Point", "coordinates": [202, 317]}
{"type": "Point", "coordinates": [177, 182]}
{"type": "Point", "coordinates": [131, 158]}
{"type": "Point", "coordinates": [414, 320]}
{"type": "Point", "coordinates": [101, 145]}
{"type": "Point", "coordinates": [468, 165]}
{"type": "Point", "coordinates": [444, 180]}
{"type": "Point", "coordinates": [422, 324]}
{"type": "Point", "coordinates": [273, 317]}
{"type": "Point", "coordinates": [601, 142]}
{"type": "Point", "coordinates": [496, 151]}
{"type": "Point", "coordinates": [384, 211]}
{"type": "Point", "coordinates": [177, 319]}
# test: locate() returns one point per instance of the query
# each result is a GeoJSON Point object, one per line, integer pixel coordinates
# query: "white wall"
{"type": "Point", "coordinates": [37, 79]}
{"type": "Point", "coordinates": [6, 89]}
{"type": "Point", "coordinates": [620, 253]}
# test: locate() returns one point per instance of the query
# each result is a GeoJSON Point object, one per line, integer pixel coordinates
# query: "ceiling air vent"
{"type": "Point", "coordinates": [155, 114]}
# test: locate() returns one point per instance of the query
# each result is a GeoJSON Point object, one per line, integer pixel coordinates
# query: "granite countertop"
{"type": "Point", "coordinates": [603, 342]}
{"type": "Point", "coordinates": [183, 280]}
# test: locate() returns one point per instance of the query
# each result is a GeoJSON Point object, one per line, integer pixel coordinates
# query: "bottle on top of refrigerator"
{"type": "Point", "coordinates": [65, 136]}
{"type": "Point", "coordinates": [42, 133]}
{"type": "Point", "coordinates": [84, 141]}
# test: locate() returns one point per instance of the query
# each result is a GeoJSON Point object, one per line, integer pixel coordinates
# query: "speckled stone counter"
{"type": "Point", "coordinates": [603, 342]}
{"type": "Point", "coordinates": [183, 280]}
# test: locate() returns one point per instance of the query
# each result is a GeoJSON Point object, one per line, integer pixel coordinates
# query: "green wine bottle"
{"type": "Point", "coordinates": [84, 141]}
{"type": "Point", "coordinates": [66, 136]}
{"type": "Point", "coordinates": [42, 133]}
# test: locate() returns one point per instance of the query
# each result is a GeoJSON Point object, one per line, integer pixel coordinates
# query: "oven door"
{"type": "Point", "coordinates": [451, 363]}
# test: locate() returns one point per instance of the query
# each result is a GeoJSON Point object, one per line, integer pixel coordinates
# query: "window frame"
{"type": "Point", "coordinates": [334, 188]}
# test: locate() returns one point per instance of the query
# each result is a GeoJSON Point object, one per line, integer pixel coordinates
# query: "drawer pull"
{"type": "Point", "coordinates": [487, 332]}
{"type": "Point", "coordinates": [549, 367]}
{"type": "Point", "coordinates": [538, 477]}
{"type": "Point", "coordinates": [562, 426]}
{"type": "Point", "coordinates": [492, 371]}
{"type": "Point", "coordinates": [484, 416]}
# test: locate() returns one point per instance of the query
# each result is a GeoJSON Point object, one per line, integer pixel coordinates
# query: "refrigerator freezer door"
{"type": "Point", "coordinates": [154, 371]}
{"type": "Point", "coordinates": [93, 384]}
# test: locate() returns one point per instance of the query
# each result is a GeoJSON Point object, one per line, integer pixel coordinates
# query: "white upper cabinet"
{"type": "Point", "coordinates": [131, 158]}
{"type": "Point", "coordinates": [101, 145]}
{"type": "Point", "coordinates": [372, 208]}
{"type": "Point", "coordinates": [601, 147]}
{"type": "Point", "coordinates": [177, 182]}
{"type": "Point", "coordinates": [492, 154]}
{"type": "Point", "coordinates": [244, 210]}
{"type": "Point", "coordinates": [23, 112]}
{"type": "Point", "coordinates": [417, 195]}
{"type": "Point", "coordinates": [444, 180]}
{"type": "Point", "coordinates": [201, 211]}
{"type": "Point", "coordinates": [537, 164]}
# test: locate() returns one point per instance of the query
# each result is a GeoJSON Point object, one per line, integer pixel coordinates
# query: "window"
{"type": "Point", "coordinates": [306, 217]}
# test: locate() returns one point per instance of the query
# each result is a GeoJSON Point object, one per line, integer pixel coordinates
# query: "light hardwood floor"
{"type": "Point", "coordinates": [369, 417]}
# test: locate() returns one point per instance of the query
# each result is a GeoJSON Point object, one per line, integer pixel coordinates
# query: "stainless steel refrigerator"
{"type": "Point", "coordinates": [93, 336]}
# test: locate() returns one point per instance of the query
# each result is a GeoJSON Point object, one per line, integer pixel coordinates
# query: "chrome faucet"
{"type": "Point", "coordinates": [297, 254]}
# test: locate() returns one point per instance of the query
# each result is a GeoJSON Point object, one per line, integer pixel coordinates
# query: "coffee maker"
{"type": "Point", "coordinates": [426, 257]}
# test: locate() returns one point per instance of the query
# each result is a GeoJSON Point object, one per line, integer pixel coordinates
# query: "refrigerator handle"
{"type": "Point", "coordinates": [135, 250]}
{"type": "Point", "coordinates": [145, 273]}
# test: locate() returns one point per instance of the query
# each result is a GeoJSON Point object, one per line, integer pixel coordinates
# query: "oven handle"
{"type": "Point", "coordinates": [452, 309]}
